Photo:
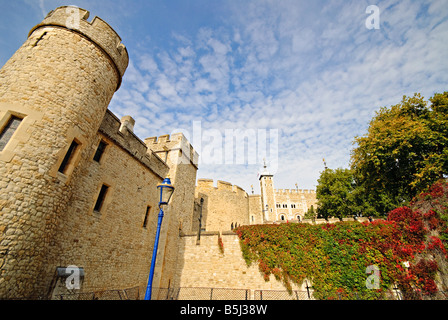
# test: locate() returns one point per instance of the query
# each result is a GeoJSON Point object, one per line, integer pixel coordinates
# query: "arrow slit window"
{"type": "Point", "coordinates": [8, 130]}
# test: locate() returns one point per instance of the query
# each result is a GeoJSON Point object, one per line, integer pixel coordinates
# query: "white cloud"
{"type": "Point", "coordinates": [42, 7]}
{"type": "Point", "coordinates": [147, 63]}
{"type": "Point", "coordinates": [311, 70]}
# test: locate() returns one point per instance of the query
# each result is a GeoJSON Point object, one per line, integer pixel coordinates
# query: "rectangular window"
{"type": "Point", "coordinates": [99, 151]}
{"type": "Point", "coordinates": [145, 222]}
{"type": "Point", "coordinates": [8, 131]}
{"type": "Point", "coordinates": [100, 201]}
{"type": "Point", "coordinates": [68, 157]}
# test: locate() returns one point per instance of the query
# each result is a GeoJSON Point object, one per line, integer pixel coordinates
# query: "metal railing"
{"type": "Point", "coordinates": [309, 295]}
{"type": "Point", "coordinates": [282, 295]}
{"type": "Point", "coordinates": [201, 293]}
{"type": "Point", "coordinates": [245, 294]}
{"type": "Point", "coordinates": [123, 294]}
{"type": "Point", "coordinates": [185, 293]}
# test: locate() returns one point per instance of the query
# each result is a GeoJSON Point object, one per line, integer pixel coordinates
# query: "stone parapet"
{"type": "Point", "coordinates": [97, 31]}
{"type": "Point", "coordinates": [128, 141]}
{"type": "Point", "coordinates": [176, 141]}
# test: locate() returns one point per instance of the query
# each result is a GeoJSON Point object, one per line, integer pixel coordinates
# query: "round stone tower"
{"type": "Point", "coordinates": [54, 92]}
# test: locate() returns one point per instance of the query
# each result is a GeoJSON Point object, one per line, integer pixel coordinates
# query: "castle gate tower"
{"type": "Point", "coordinates": [54, 92]}
{"type": "Point", "coordinates": [267, 195]}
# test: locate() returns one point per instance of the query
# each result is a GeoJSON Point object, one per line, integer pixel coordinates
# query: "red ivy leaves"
{"type": "Point", "coordinates": [221, 245]}
{"type": "Point", "coordinates": [411, 221]}
{"type": "Point", "coordinates": [335, 256]}
{"type": "Point", "coordinates": [423, 274]}
{"type": "Point", "coordinates": [435, 191]}
{"type": "Point", "coordinates": [436, 244]}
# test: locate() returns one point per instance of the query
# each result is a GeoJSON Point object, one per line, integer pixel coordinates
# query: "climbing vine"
{"type": "Point", "coordinates": [335, 256]}
{"type": "Point", "coordinates": [220, 244]}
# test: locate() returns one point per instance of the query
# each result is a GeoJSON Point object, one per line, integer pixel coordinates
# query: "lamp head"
{"type": "Point", "coordinates": [166, 190]}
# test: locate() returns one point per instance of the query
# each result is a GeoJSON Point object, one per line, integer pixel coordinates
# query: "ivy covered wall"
{"type": "Point", "coordinates": [408, 250]}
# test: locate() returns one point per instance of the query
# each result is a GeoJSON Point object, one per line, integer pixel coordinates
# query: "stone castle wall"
{"type": "Point", "coordinates": [293, 204]}
{"type": "Point", "coordinates": [224, 206]}
{"type": "Point", "coordinates": [117, 236]}
{"type": "Point", "coordinates": [255, 209]}
{"type": "Point", "coordinates": [60, 83]}
{"type": "Point", "coordinates": [203, 265]}
{"type": "Point", "coordinates": [182, 159]}
{"type": "Point", "coordinates": [228, 205]}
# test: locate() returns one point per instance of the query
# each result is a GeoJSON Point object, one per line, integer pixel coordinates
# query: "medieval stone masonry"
{"type": "Point", "coordinates": [79, 189]}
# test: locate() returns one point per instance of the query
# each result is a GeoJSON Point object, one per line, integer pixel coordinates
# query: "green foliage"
{"type": "Point", "coordinates": [333, 193]}
{"type": "Point", "coordinates": [338, 196]}
{"type": "Point", "coordinates": [404, 151]}
{"type": "Point", "coordinates": [310, 214]}
{"type": "Point", "coordinates": [335, 256]}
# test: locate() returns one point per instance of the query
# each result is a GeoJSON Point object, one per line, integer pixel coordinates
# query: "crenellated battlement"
{"type": "Point", "coordinates": [224, 205]}
{"type": "Point", "coordinates": [294, 191]}
{"type": "Point", "coordinates": [149, 152]}
{"type": "Point", "coordinates": [204, 184]}
{"type": "Point", "coordinates": [177, 141]}
{"type": "Point", "coordinates": [240, 190]}
{"type": "Point", "coordinates": [158, 140]}
{"type": "Point", "coordinates": [224, 186]}
{"type": "Point", "coordinates": [128, 141]}
{"type": "Point", "coordinates": [97, 31]}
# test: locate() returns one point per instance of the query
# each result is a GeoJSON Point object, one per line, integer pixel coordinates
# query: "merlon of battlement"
{"type": "Point", "coordinates": [158, 140]}
{"type": "Point", "coordinates": [239, 190]}
{"type": "Point", "coordinates": [205, 183]}
{"type": "Point", "coordinates": [224, 185]}
{"type": "Point", "coordinates": [97, 31]}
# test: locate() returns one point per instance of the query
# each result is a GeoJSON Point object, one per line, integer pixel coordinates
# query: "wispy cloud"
{"type": "Point", "coordinates": [312, 71]}
{"type": "Point", "coordinates": [42, 7]}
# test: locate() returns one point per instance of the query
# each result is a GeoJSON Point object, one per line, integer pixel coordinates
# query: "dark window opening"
{"type": "Point", "coordinates": [68, 157]}
{"type": "Point", "coordinates": [145, 222]}
{"type": "Point", "coordinates": [100, 201]}
{"type": "Point", "coordinates": [40, 38]}
{"type": "Point", "coordinates": [8, 131]}
{"type": "Point", "coordinates": [99, 151]}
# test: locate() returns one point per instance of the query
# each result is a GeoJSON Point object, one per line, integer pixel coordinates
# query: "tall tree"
{"type": "Point", "coordinates": [404, 151]}
{"type": "Point", "coordinates": [339, 196]}
{"type": "Point", "coordinates": [333, 193]}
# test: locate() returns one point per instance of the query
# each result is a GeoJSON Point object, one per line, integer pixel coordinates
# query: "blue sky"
{"type": "Point", "coordinates": [309, 69]}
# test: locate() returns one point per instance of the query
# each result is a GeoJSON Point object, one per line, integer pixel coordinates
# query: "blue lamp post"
{"type": "Point", "coordinates": [166, 190]}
